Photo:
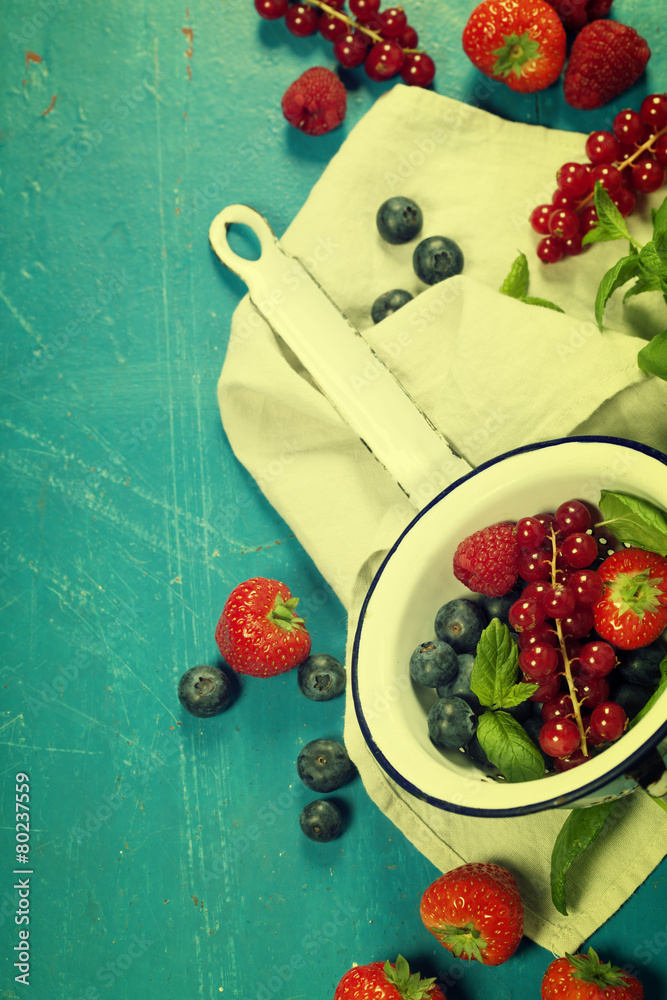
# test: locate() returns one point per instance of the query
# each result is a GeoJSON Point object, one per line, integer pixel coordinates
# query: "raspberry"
{"type": "Point", "coordinates": [606, 58]}
{"type": "Point", "coordinates": [316, 102]}
{"type": "Point", "coordinates": [486, 561]}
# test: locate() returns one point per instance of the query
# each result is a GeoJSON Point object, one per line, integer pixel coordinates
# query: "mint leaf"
{"type": "Point", "coordinates": [610, 225]}
{"type": "Point", "coordinates": [496, 669]}
{"type": "Point", "coordinates": [577, 833]}
{"type": "Point", "coordinates": [650, 260]}
{"type": "Point", "coordinates": [508, 746]}
{"type": "Point", "coordinates": [653, 358]}
{"type": "Point", "coordinates": [533, 301]}
{"type": "Point", "coordinates": [516, 283]}
{"type": "Point", "coordinates": [635, 521]}
{"type": "Point", "coordinates": [622, 271]}
{"type": "Point", "coordinates": [659, 217]}
{"type": "Point", "coordinates": [660, 690]}
{"type": "Point", "coordinates": [660, 240]}
{"type": "Point", "coordinates": [650, 283]}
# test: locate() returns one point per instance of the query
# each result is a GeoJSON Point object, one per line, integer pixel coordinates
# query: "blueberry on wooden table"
{"type": "Point", "coordinates": [321, 820]}
{"type": "Point", "coordinates": [324, 765]}
{"type": "Point", "coordinates": [205, 691]}
{"type": "Point", "coordinates": [321, 677]}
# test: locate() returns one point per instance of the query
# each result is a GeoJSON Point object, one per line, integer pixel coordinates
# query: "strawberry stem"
{"type": "Point", "coordinates": [589, 969]}
{"type": "Point", "coordinates": [282, 614]}
{"type": "Point", "coordinates": [463, 942]}
{"type": "Point", "coordinates": [409, 986]}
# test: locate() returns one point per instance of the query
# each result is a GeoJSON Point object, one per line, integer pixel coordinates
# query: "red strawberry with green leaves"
{"type": "Point", "coordinates": [583, 977]}
{"type": "Point", "coordinates": [476, 912]}
{"type": "Point", "coordinates": [632, 611]}
{"type": "Point", "coordinates": [384, 981]}
{"type": "Point", "coordinates": [519, 42]}
{"type": "Point", "coordinates": [259, 632]}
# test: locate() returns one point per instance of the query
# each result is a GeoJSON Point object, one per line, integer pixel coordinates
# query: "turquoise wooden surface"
{"type": "Point", "coordinates": [166, 856]}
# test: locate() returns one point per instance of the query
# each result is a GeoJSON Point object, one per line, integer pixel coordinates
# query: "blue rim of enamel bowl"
{"type": "Point", "coordinates": [559, 801]}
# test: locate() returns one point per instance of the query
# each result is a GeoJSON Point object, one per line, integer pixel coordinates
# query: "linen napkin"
{"type": "Point", "coordinates": [490, 372]}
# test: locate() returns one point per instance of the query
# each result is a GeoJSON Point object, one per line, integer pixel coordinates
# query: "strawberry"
{"type": "Point", "coordinates": [520, 42]}
{"type": "Point", "coordinates": [632, 611]}
{"type": "Point", "coordinates": [476, 912]}
{"type": "Point", "coordinates": [384, 981]}
{"type": "Point", "coordinates": [606, 58]}
{"type": "Point", "coordinates": [258, 632]}
{"type": "Point", "coordinates": [583, 977]}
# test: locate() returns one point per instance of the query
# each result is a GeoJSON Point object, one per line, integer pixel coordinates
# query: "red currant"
{"type": "Point", "coordinates": [351, 49]}
{"type": "Point", "coordinates": [301, 20]}
{"type": "Point", "coordinates": [364, 10]}
{"type": "Point", "coordinates": [608, 175]}
{"type": "Point", "coordinates": [588, 219]}
{"type": "Point", "coordinates": [629, 128]}
{"type": "Point", "coordinates": [332, 27]}
{"type": "Point", "coordinates": [393, 22]}
{"type": "Point", "coordinates": [560, 707]}
{"type": "Point", "coordinates": [271, 10]}
{"type": "Point", "coordinates": [543, 633]}
{"type": "Point", "coordinates": [563, 222]}
{"type": "Point", "coordinates": [647, 175]}
{"type": "Point", "coordinates": [660, 150]}
{"type": "Point", "coordinates": [558, 602]}
{"type": "Point", "coordinates": [602, 147]}
{"type": "Point", "coordinates": [563, 764]}
{"type": "Point", "coordinates": [539, 661]}
{"type": "Point", "coordinates": [591, 691]}
{"type": "Point", "coordinates": [579, 550]}
{"type": "Point", "coordinates": [579, 623]}
{"type": "Point", "coordinates": [533, 564]}
{"type": "Point", "coordinates": [525, 614]}
{"type": "Point", "coordinates": [571, 516]}
{"type": "Point", "coordinates": [563, 200]}
{"type": "Point", "coordinates": [573, 245]}
{"type": "Point", "coordinates": [559, 737]}
{"type": "Point", "coordinates": [418, 69]}
{"type": "Point", "coordinates": [574, 179]}
{"type": "Point", "coordinates": [587, 586]}
{"type": "Point", "coordinates": [597, 659]}
{"type": "Point", "coordinates": [384, 60]}
{"type": "Point", "coordinates": [408, 38]}
{"type": "Point", "coordinates": [539, 219]}
{"type": "Point", "coordinates": [547, 690]}
{"type": "Point", "coordinates": [550, 250]}
{"type": "Point", "coordinates": [608, 721]}
{"type": "Point", "coordinates": [624, 201]}
{"type": "Point", "coordinates": [529, 532]}
{"type": "Point", "coordinates": [653, 111]}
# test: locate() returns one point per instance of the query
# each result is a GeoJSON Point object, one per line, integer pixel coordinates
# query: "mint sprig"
{"type": "Point", "coordinates": [576, 835]}
{"type": "Point", "coordinates": [495, 682]}
{"type": "Point", "coordinates": [634, 521]}
{"type": "Point", "coordinates": [516, 285]}
{"type": "Point", "coordinates": [646, 264]}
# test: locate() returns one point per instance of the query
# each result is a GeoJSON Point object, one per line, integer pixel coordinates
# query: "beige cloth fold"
{"type": "Point", "coordinates": [491, 372]}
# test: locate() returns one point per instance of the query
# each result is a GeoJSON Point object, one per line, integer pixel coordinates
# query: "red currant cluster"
{"type": "Point", "coordinates": [552, 616]}
{"type": "Point", "coordinates": [382, 40]}
{"type": "Point", "coordinates": [628, 160]}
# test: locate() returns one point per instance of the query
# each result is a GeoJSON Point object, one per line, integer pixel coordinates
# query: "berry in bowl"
{"type": "Point", "coordinates": [508, 653]}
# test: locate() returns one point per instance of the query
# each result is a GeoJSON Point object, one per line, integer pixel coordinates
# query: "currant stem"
{"type": "Point", "coordinates": [354, 24]}
{"type": "Point", "coordinates": [645, 146]}
{"type": "Point", "coordinates": [566, 660]}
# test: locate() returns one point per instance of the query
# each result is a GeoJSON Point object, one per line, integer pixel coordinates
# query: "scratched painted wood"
{"type": "Point", "coordinates": [166, 858]}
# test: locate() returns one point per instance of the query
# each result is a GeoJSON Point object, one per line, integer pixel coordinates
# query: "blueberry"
{"type": "Point", "coordinates": [642, 666]}
{"type": "Point", "coordinates": [324, 765]}
{"type": "Point", "coordinates": [321, 820]}
{"type": "Point", "coordinates": [451, 723]}
{"type": "Point", "coordinates": [459, 686]}
{"type": "Point", "coordinates": [437, 258]}
{"type": "Point", "coordinates": [399, 219]}
{"type": "Point", "coordinates": [321, 677]}
{"type": "Point", "coordinates": [477, 754]}
{"type": "Point", "coordinates": [460, 623]}
{"type": "Point", "coordinates": [205, 691]}
{"type": "Point", "coordinates": [388, 303]}
{"type": "Point", "coordinates": [498, 607]}
{"type": "Point", "coordinates": [433, 663]}
{"type": "Point", "coordinates": [632, 698]}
